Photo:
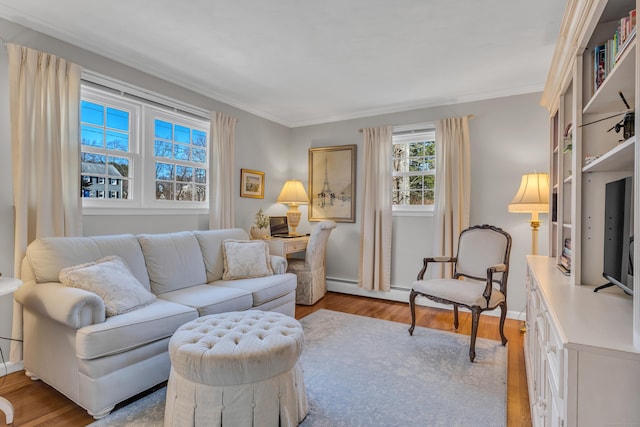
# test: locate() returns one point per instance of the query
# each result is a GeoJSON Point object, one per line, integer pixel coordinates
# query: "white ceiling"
{"type": "Point", "coordinates": [299, 62]}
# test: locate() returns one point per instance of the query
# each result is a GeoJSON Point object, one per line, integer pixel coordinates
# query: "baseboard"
{"type": "Point", "coordinates": [350, 287]}
{"type": "Point", "coordinates": [10, 367]}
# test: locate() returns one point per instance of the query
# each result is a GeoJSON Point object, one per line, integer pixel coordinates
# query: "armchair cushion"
{"type": "Point", "coordinates": [466, 292]}
{"type": "Point", "coordinates": [111, 279]}
{"type": "Point", "coordinates": [245, 259]}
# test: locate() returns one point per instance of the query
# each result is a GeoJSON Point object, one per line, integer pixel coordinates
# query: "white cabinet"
{"type": "Point", "coordinates": [582, 367]}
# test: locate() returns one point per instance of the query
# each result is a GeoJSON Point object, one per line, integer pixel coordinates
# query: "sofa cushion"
{"type": "Point", "coordinates": [244, 259]}
{"type": "Point", "coordinates": [263, 289]}
{"type": "Point", "coordinates": [111, 279]}
{"type": "Point", "coordinates": [124, 332]}
{"type": "Point", "coordinates": [47, 256]}
{"type": "Point", "coordinates": [211, 246]}
{"type": "Point", "coordinates": [210, 299]}
{"type": "Point", "coordinates": [174, 261]}
{"type": "Point", "coordinates": [127, 247]}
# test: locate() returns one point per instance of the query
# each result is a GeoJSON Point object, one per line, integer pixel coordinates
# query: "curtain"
{"type": "Point", "coordinates": [375, 240]}
{"type": "Point", "coordinates": [453, 185]}
{"type": "Point", "coordinates": [221, 207]}
{"type": "Point", "coordinates": [44, 98]}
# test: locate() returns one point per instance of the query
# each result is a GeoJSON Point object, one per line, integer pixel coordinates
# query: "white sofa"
{"type": "Point", "coordinates": [98, 361]}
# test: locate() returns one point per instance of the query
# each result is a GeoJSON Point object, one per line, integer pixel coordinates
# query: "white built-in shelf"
{"type": "Point", "coordinates": [619, 158]}
{"type": "Point", "coordinates": [566, 225]}
{"type": "Point", "coordinates": [568, 179]}
{"type": "Point", "coordinates": [622, 78]}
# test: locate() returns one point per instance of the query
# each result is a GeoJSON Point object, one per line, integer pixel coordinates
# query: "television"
{"type": "Point", "coordinates": [618, 235]}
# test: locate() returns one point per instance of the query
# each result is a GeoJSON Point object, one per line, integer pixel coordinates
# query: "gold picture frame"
{"type": "Point", "coordinates": [251, 184]}
{"type": "Point", "coordinates": [332, 183]}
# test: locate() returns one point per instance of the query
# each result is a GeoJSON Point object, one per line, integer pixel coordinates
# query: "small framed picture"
{"type": "Point", "coordinates": [251, 183]}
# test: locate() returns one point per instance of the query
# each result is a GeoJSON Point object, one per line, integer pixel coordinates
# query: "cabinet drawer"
{"type": "Point", "coordinates": [295, 246]}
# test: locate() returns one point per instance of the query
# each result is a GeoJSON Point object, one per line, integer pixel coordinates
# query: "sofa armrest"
{"type": "Point", "coordinates": [279, 264]}
{"type": "Point", "coordinates": [70, 306]}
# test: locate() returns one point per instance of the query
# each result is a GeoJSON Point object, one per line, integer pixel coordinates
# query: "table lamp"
{"type": "Point", "coordinates": [532, 197]}
{"type": "Point", "coordinates": [293, 194]}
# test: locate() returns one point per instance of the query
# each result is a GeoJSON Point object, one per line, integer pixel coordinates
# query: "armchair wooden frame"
{"type": "Point", "coordinates": [495, 275]}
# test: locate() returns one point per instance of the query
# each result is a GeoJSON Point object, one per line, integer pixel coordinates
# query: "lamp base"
{"type": "Point", "coordinates": [293, 218]}
{"type": "Point", "coordinates": [534, 236]}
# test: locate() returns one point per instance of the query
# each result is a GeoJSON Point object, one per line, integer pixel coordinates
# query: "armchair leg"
{"type": "Point", "coordinates": [503, 315]}
{"type": "Point", "coordinates": [412, 304]}
{"type": "Point", "coordinates": [475, 317]}
{"type": "Point", "coordinates": [455, 316]}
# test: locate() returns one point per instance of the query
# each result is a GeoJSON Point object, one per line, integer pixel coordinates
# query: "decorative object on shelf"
{"type": "Point", "coordinates": [251, 183]}
{"type": "Point", "coordinates": [261, 228]}
{"type": "Point", "coordinates": [332, 183]}
{"type": "Point", "coordinates": [589, 158]}
{"type": "Point", "coordinates": [532, 197]}
{"type": "Point", "coordinates": [293, 194]}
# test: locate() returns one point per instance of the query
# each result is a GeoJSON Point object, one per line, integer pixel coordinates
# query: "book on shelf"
{"type": "Point", "coordinates": [606, 54]}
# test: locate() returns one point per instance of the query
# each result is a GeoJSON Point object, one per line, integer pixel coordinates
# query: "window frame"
{"type": "Point", "coordinates": [404, 135]}
{"type": "Point", "coordinates": [142, 112]}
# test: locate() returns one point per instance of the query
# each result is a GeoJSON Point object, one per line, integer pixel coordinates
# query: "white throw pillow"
{"type": "Point", "coordinates": [244, 259]}
{"type": "Point", "coordinates": [111, 279]}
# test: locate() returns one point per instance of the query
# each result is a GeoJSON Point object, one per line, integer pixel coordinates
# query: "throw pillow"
{"type": "Point", "coordinates": [244, 259]}
{"type": "Point", "coordinates": [111, 279]}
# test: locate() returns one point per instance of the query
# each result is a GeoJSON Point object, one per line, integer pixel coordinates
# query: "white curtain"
{"type": "Point", "coordinates": [453, 187]}
{"type": "Point", "coordinates": [221, 206]}
{"type": "Point", "coordinates": [44, 97]}
{"type": "Point", "coordinates": [375, 240]}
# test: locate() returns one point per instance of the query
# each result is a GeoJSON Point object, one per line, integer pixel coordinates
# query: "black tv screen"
{"type": "Point", "coordinates": [618, 235]}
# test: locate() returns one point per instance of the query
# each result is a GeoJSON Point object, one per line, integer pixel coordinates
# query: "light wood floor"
{"type": "Point", "coordinates": [37, 404]}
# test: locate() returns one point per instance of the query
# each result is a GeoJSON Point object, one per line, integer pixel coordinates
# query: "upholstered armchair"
{"type": "Point", "coordinates": [479, 282]}
{"type": "Point", "coordinates": [311, 270]}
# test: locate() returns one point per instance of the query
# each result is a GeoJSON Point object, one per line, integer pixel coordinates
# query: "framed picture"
{"type": "Point", "coordinates": [332, 183]}
{"type": "Point", "coordinates": [251, 184]}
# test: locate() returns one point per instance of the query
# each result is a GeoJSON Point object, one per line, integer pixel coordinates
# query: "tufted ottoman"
{"type": "Point", "coordinates": [236, 369]}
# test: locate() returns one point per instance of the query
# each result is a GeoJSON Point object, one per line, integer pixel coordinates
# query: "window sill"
{"type": "Point", "coordinates": [412, 212]}
{"type": "Point", "coordinates": [144, 211]}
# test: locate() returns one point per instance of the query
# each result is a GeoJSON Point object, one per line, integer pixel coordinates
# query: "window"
{"type": "Point", "coordinates": [414, 169]}
{"type": "Point", "coordinates": [141, 155]}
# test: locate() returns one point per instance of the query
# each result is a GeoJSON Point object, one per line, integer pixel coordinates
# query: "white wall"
{"type": "Point", "coordinates": [509, 137]}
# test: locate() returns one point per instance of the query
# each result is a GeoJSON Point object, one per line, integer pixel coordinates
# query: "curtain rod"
{"type": "Point", "coordinates": [469, 116]}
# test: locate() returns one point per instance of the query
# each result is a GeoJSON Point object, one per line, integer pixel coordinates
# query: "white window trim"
{"type": "Point", "coordinates": [133, 95]}
{"type": "Point", "coordinates": [413, 133]}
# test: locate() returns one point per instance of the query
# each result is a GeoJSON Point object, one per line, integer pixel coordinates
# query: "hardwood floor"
{"type": "Point", "coordinates": [37, 404]}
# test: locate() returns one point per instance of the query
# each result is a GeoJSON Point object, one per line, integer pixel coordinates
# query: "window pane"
{"type": "Point", "coordinates": [164, 171]}
{"type": "Point", "coordinates": [117, 141]}
{"type": "Point", "coordinates": [417, 149]}
{"type": "Point", "coordinates": [92, 136]}
{"type": "Point", "coordinates": [182, 134]}
{"type": "Point", "coordinates": [184, 174]}
{"type": "Point", "coordinates": [121, 166]}
{"type": "Point", "coordinates": [117, 119]}
{"type": "Point", "coordinates": [181, 152]}
{"type": "Point", "coordinates": [200, 194]}
{"type": "Point", "coordinates": [91, 113]}
{"type": "Point", "coordinates": [164, 190]}
{"type": "Point", "coordinates": [429, 197]}
{"type": "Point", "coordinates": [201, 176]}
{"type": "Point", "coordinates": [415, 182]}
{"type": "Point", "coordinates": [184, 192]}
{"type": "Point", "coordinates": [199, 155]}
{"type": "Point", "coordinates": [163, 130]}
{"type": "Point", "coordinates": [163, 149]}
{"type": "Point", "coordinates": [93, 164]}
{"type": "Point", "coordinates": [415, 197]}
{"type": "Point", "coordinates": [199, 138]}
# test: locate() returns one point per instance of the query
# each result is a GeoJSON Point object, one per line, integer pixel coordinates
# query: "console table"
{"type": "Point", "coordinates": [283, 246]}
{"type": "Point", "coordinates": [7, 286]}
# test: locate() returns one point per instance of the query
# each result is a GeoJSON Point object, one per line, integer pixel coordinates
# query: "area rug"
{"type": "Point", "coordinates": [361, 371]}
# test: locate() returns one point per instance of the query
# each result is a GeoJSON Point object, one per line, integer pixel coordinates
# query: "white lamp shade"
{"type": "Point", "coordinates": [293, 193]}
{"type": "Point", "coordinates": [533, 194]}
